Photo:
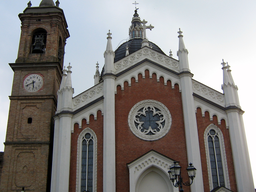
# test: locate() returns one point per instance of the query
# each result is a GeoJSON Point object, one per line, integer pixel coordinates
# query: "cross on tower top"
{"type": "Point", "coordinates": [135, 3]}
{"type": "Point", "coordinates": [144, 27]}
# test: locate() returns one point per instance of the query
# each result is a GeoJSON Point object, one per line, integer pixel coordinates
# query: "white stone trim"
{"type": "Point", "coordinates": [213, 110]}
{"type": "Point", "coordinates": [144, 163]}
{"type": "Point", "coordinates": [146, 53]}
{"type": "Point", "coordinates": [134, 73]}
{"type": "Point", "coordinates": [88, 96]}
{"type": "Point", "coordinates": [208, 93]}
{"type": "Point", "coordinates": [223, 155]}
{"type": "Point", "coordinates": [164, 111]}
{"type": "Point", "coordinates": [79, 156]}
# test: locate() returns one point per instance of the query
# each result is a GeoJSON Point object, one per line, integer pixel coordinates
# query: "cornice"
{"type": "Point", "coordinates": [146, 53]}
{"type": "Point", "coordinates": [88, 96]}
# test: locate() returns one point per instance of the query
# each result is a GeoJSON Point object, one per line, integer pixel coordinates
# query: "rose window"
{"type": "Point", "coordinates": [149, 120]}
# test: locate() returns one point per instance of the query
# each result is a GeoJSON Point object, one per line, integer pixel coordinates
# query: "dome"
{"type": "Point", "coordinates": [133, 46]}
{"type": "Point", "coordinates": [46, 3]}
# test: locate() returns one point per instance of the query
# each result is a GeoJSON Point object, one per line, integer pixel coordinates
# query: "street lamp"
{"type": "Point", "coordinates": [175, 176]}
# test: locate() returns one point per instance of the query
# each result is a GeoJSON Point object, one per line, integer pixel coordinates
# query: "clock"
{"type": "Point", "coordinates": [33, 82]}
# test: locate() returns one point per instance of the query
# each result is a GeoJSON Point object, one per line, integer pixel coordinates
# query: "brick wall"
{"type": "Point", "coordinates": [202, 124]}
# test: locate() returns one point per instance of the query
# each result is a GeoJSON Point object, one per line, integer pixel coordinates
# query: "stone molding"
{"type": "Point", "coordinates": [223, 155]}
{"type": "Point", "coordinates": [208, 93]}
{"type": "Point", "coordinates": [145, 162]}
{"type": "Point", "coordinates": [79, 157]}
{"type": "Point", "coordinates": [164, 112]}
{"type": "Point", "coordinates": [88, 96]}
{"type": "Point", "coordinates": [146, 53]}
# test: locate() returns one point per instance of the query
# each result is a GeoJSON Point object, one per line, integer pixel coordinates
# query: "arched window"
{"type": "Point", "coordinates": [39, 41]}
{"type": "Point", "coordinates": [216, 157]}
{"type": "Point", "coordinates": [87, 161]}
{"type": "Point", "coordinates": [60, 51]}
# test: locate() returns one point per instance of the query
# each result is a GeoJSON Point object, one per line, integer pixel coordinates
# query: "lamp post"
{"type": "Point", "coordinates": [175, 176]}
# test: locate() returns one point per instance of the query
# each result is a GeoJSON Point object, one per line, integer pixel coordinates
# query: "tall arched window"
{"type": "Point", "coordinates": [87, 161]}
{"type": "Point", "coordinates": [216, 157]}
{"type": "Point", "coordinates": [39, 41]}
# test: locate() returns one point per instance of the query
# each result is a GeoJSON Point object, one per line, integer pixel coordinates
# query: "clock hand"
{"type": "Point", "coordinates": [29, 84]}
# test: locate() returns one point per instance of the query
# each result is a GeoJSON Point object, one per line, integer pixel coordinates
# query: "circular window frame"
{"type": "Point", "coordinates": [164, 110]}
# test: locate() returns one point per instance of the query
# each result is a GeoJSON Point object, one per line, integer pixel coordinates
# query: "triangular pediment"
{"type": "Point", "coordinates": [146, 53]}
{"type": "Point", "coordinates": [152, 158]}
{"type": "Point", "coordinates": [221, 189]}
{"type": "Point", "coordinates": [150, 161]}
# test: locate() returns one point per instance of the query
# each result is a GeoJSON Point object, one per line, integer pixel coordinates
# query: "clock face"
{"type": "Point", "coordinates": [33, 82]}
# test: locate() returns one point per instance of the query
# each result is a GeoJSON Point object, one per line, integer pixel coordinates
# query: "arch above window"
{"type": "Point", "coordinates": [86, 161]}
{"type": "Point", "coordinates": [39, 41]}
{"type": "Point", "coordinates": [216, 157]}
{"type": "Point", "coordinates": [149, 165]}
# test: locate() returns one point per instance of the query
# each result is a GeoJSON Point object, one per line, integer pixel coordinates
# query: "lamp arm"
{"type": "Point", "coordinates": [188, 183]}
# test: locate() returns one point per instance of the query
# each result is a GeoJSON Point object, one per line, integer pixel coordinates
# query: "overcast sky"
{"type": "Point", "coordinates": [213, 30]}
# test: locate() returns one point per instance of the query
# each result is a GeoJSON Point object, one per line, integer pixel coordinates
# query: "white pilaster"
{"type": "Point", "coordinates": [240, 152]}
{"type": "Point", "coordinates": [64, 147]}
{"type": "Point", "coordinates": [191, 133]}
{"type": "Point", "coordinates": [109, 156]}
{"type": "Point", "coordinates": [55, 153]}
{"type": "Point", "coordinates": [62, 135]}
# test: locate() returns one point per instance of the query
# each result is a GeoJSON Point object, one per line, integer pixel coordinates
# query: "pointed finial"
{"type": "Point", "coordinates": [57, 3]}
{"type": "Point", "coordinates": [127, 51]}
{"type": "Point", "coordinates": [228, 67]}
{"type": "Point", "coordinates": [170, 53]}
{"type": "Point", "coordinates": [180, 33]}
{"type": "Point", "coordinates": [69, 67]}
{"type": "Point", "coordinates": [29, 4]}
{"type": "Point", "coordinates": [223, 64]}
{"type": "Point", "coordinates": [135, 3]}
{"type": "Point", "coordinates": [97, 65]}
{"type": "Point", "coordinates": [64, 70]}
{"type": "Point", "coordinates": [109, 35]}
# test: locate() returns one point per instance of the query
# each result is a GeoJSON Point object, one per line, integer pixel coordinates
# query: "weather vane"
{"type": "Point", "coordinates": [135, 3]}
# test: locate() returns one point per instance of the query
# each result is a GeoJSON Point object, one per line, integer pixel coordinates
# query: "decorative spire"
{"type": "Point", "coordinates": [226, 79]}
{"type": "Point", "coordinates": [109, 44]}
{"type": "Point", "coordinates": [181, 42]}
{"type": "Point", "coordinates": [229, 87]}
{"type": "Point", "coordinates": [57, 3]}
{"type": "Point", "coordinates": [182, 54]}
{"type": "Point", "coordinates": [29, 4]}
{"type": "Point", "coordinates": [180, 33]}
{"type": "Point", "coordinates": [170, 53]}
{"type": "Point", "coordinates": [46, 3]}
{"type": "Point", "coordinates": [109, 55]}
{"type": "Point", "coordinates": [127, 51]}
{"type": "Point", "coordinates": [97, 74]}
{"type": "Point", "coordinates": [68, 82]}
{"type": "Point", "coordinates": [64, 77]}
{"type": "Point", "coordinates": [138, 27]}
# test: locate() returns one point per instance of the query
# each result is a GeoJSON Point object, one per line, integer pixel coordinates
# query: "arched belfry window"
{"type": "Point", "coordinates": [39, 41]}
{"type": "Point", "coordinates": [87, 161]}
{"type": "Point", "coordinates": [60, 51]}
{"type": "Point", "coordinates": [216, 157]}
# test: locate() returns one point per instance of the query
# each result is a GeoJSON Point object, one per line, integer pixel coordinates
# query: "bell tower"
{"type": "Point", "coordinates": [33, 101]}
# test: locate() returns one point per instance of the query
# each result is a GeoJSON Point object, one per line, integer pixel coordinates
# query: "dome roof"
{"type": "Point", "coordinates": [46, 3]}
{"type": "Point", "coordinates": [133, 46]}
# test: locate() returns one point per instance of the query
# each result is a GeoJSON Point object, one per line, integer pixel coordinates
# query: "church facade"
{"type": "Point", "coordinates": [144, 113]}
